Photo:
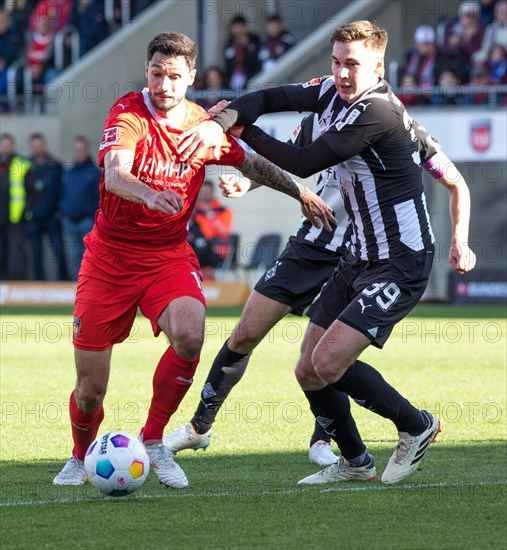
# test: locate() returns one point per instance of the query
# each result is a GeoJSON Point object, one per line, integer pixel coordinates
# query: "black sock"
{"type": "Point", "coordinates": [226, 371]}
{"type": "Point", "coordinates": [319, 435]}
{"type": "Point", "coordinates": [332, 411]}
{"type": "Point", "coordinates": [367, 387]}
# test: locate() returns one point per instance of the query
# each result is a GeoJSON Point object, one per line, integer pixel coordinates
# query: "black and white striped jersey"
{"type": "Point", "coordinates": [327, 186]}
{"type": "Point", "coordinates": [374, 148]}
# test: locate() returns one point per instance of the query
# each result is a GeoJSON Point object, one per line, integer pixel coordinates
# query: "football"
{"type": "Point", "coordinates": [116, 464]}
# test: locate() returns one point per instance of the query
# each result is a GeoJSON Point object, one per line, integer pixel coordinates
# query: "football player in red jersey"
{"type": "Point", "coordinates": [137, 254]}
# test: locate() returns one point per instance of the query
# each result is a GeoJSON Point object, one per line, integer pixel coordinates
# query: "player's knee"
{"type": "Point", "coordinates": [89, 396]}
{"type": "Point", "coordinates": [188, 345]}
{"type": "Point", "coordinates": [246, 336]}
{"type": "Point", "coordinates": [327, 367]}
{"type": "Point", "coordinates": [241, 343]}
{"type": "Point", "coordinates": [304, 372]}
{"type": "Point", "coordinates": [302, 375]}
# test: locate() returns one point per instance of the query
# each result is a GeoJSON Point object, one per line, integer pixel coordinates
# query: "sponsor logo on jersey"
{"type": "Point", "coordinates": [312, 82]}
{"type": "Point", "coordinates": [349, 120]}
{"type": "Point", "coordinates": [109, 137]}
{"type": "Point", "coordinates": [162, 173]}
{"type": "Point", "coordinates": [480, 135]}
{"type": "Point", "coordinates": [364, 106]}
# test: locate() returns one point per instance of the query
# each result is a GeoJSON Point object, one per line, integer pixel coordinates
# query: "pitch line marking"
{"type": "Point", "coordinates": [405, 486]}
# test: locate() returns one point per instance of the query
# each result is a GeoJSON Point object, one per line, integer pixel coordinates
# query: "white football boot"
{"type": "Point", "coordinates": [410, 451]}
{"type": "Point", "coordinates": [342, 471]}
{"type": "Point", "coordinates": [187, 438]}
{"type": "Point", "coordinates": [73, 473]}
{"type": "Point", "coordinates": [322, 454]}
{"type": "Point", "coordinates": [168, 471]}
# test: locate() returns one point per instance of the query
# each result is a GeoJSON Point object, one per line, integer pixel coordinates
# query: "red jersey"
{"type": "Point", "coordinates": [133, 124]}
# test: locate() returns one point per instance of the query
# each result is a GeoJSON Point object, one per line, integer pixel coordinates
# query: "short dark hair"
{"type": "Point", "coordinates": [174, 44]}
{"type": "Point", "coordinates": [374, 37]}
{"type": "Point", "coordinates": [238, 19]}
{"type": "Point", "coordinates": [275, 18]}
{"type": "Point", "coordinates": [8, 136]}
{"type": "Point", "coordinates": [37, 135]}
{"type": "Point", "coordinates": [83, 140]}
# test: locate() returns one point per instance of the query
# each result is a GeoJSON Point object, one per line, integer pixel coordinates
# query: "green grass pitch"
{"type": "Point", "coordinates": [243, 491]}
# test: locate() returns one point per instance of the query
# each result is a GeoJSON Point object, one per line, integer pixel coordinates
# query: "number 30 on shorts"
{"type": "Point", "coordinates": [388, 294]}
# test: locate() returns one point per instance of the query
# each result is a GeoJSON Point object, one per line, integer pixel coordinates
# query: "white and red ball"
{"type": "Point", "coordinates": [117, 464]}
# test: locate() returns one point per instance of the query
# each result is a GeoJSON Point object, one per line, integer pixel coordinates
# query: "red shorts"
{"type": "Point", "coordinates": [115, 280]}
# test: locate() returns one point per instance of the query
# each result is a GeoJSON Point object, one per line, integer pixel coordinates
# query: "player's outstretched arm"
{"type": "Point", "coordinates": [265, 173]}
{"type": "Point", "coordinates": [461, 256]}
{"type": "Point", "coordinates": [243, 111]}
{"type": "Point", "coordinates": [120, 181]}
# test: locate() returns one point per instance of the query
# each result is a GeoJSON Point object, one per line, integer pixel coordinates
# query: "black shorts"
{"type": "Point", "coordinates": [297, 276]}
{"type": "Point", "coordinates": [373, 296]}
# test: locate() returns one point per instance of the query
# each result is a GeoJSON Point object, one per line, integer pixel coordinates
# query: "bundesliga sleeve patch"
{"type": "Point", "coordinates": [109, 137]}
{"type": "Point", "coordinates": [313, 82]}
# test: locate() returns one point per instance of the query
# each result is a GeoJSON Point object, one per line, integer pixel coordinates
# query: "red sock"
{"type": "Point", "coordinates": [171, 381]}
{"type": "Point", "coordinates": [84, 427]}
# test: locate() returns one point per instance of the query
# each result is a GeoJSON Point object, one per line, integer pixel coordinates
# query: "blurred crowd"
{"type": "Point", "coordinates": [29, 31]}
{"type": "Point", "coordinates": [245, 55]}
{"type": "Point", "coordinates": [471, 50]}
{"type": "Point", "coordinates": [464, 58]}
{"type": "Point", "coordinates": [46, 209]}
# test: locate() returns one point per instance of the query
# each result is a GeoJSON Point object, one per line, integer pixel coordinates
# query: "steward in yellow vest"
{"type": "Point", "coordinates": [16, 185]}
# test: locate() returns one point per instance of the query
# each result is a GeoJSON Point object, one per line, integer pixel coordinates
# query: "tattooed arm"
{"type": "Point", "coordinates": [265, 173]}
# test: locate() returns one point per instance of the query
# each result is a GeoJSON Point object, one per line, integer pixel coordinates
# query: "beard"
{"type": "Point", "coordinates": [163, 104]}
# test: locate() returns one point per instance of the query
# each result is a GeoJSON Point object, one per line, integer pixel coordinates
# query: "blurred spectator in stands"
{"type": "Point", "coordinates": [241, 54]}
{"type": "Point", "coordinates": [407, 92]}
{"type": "Point", "coordinates": [487, 11]}
{"type": "Point", "coordinates": [424, 62]}
{"type": "Point", "coordinates": [56, 12]}
{"type": "Point", "coordinates": [11, 45]}
{"type": "Point", "coordinates": [463, 38]}
{"type": "Point", "coordinates": [42, 210]}
{"type": "Point", "coordinates": [214, 219]}
{"type": "Point", "coordinates": [213, 82]}
{"type": "Point", "coordinates": [88, 18]}
{"type": "Point", "coordinates": [214, 224]}
{"type": "Point", "coordinates": [20, 11]}
{"type": "Point", "coordinates": [495, 33]}
{"type": "Point", "coordinates": [450, 87]}
{"type": "Point", "coordinates": [278, 41]}
{"type": "Point", "coordinates": [39, 55]}
{"type": "Point", "coordinates": [79, 201]}
{"type": "Point", "coordinates": [135, 7]}
{"type": "Point", "coordinates": [16, 188]}
{"type": "Point", "coordinates": [496, 65]}
{"type": "Point", "coordinates": [208, 258]}
{"type": "Point", "coordinates": [480, 86]}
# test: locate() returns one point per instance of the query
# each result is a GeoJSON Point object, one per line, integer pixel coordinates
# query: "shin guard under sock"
{"type": "Point", "coordinates": [332, 411]}
{"type": "Point", "coordinates": [367, 386]}
{"type": "Point", "coordinates": [84, 426]}
{"type": "Point", "coordinates": [226, 371]}
{"type": "Point", "coordinates": [171, 381]}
